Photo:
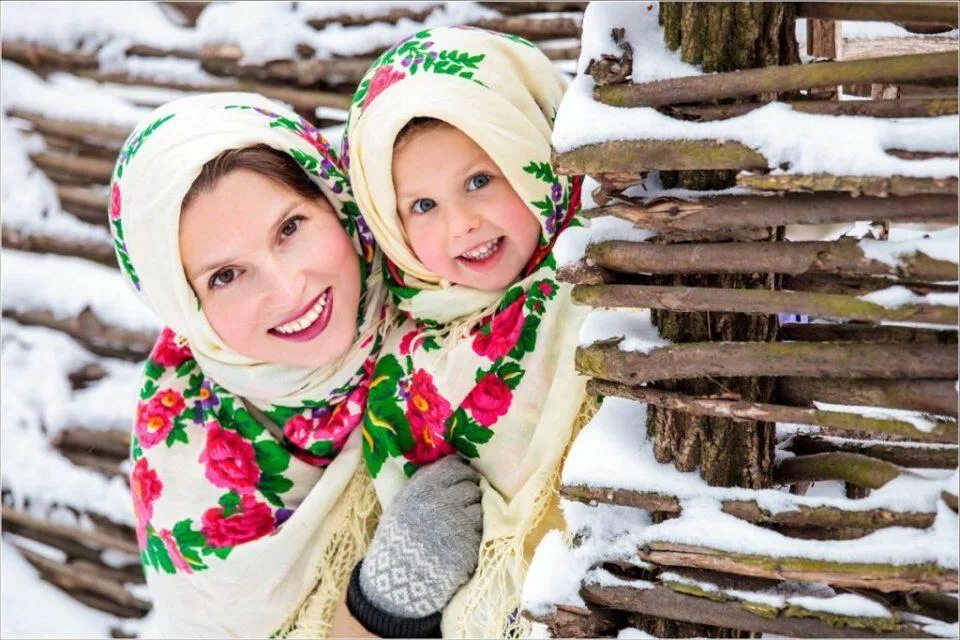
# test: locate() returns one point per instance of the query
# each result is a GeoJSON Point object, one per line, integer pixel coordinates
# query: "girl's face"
{"type": "Point", "coordinates": [276, 274]}
{"type": "Point", "coordinates": [463, 219]}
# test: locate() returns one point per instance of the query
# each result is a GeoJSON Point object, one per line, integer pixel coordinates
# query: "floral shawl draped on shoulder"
{"type": "Point", "coordinates": [485, 375]}
{"type": "Point", "coordinates": [250, 502]}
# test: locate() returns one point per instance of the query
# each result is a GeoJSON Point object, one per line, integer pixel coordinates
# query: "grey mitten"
{"type": "Point", "coordinates": [427, 543]}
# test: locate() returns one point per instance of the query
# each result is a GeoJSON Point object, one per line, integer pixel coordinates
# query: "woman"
{"type": "Point", "coordinates": [234, 222]}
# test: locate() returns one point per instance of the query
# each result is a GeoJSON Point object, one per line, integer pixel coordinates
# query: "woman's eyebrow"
{"type": "Point", "coordinates": [219, 262]}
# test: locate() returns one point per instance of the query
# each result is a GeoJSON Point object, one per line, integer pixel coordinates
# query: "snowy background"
{"type": "Point", "coordinates": [44, 399]}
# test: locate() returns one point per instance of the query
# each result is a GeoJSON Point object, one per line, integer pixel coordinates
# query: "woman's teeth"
{"type": "Point", "coordinates": [484, 251]}
{"type": "Point", "coordinates": [306, 319]}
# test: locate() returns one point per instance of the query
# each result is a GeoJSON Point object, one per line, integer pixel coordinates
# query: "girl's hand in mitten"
{"type": "Point", "coordinates": [427, 543]}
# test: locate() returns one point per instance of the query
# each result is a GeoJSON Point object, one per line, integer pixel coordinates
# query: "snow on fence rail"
{"type": "Point", "coordinates": [842, 414]}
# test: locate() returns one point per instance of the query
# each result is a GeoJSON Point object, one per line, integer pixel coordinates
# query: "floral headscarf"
{"type": "Point", "coordinates": [241, 468]}
{"type": "Point", "coordinates": [487, 375]}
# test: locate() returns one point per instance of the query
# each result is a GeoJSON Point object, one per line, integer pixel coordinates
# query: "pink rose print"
{"type": "Point", "coordinates": [406, 342]}
{"type": "Point", "coordinates": [427, 411]}
{"type": "Point", "coordinates": [145, 488]}
{"type": "Point", "coordinates": [489, 400]}
{"type": "Point", "coordinates": [174, 550]}
{"type": "Point", "coordinates": [115, 202]}
{"type": "Point", "coordinates": [546, 288]}
{"type": "Point", "coordinates": [230, 460]}
{"type": "Point", "coordinates": [170, 349]}
{"type": "Point", "coordinates": [382, 78]}
{"type": "Point", "coordinates": [251, 521]}
{"type": "Point", "coordinates": [298, 430]}
{"type": "Point", "coordinates": [171, 400]}
{"type": "Point", "coordinates": [154, 422]}
{"type": "Point", "coordinates": [504, 332]}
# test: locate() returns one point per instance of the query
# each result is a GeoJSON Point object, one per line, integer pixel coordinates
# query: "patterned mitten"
{"type": "Point", "coordinates": [427, 543]}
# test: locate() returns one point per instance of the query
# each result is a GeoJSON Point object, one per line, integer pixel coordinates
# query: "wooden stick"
{"type": "Point", "coordinates": [70, 578]}
{"type": "Point", "coordinates": [822, 305]}
{"type": "Point", "coordinates": [392, 15]}
{"type": "Point", "coordinates": [944, 457]}
{"type": "Point", "coordinates": [224, 60]}
{"type": "Point", "coordinates": [740, 212]}
{"type": "Point", "coordinates": [632, 156]}
{"type": "Point", "coordinates": [664, 602]}
{"type": "Point", "coordinates": [25, 523]}
{"type": "Point", "coordinates": [926, 12]}
{"type": "Point", "coordinates": [87, 169]}
{"type": "Point", "coordinates": [743, 410]}
{"type": "Point", "coordinates": [751, 82]}
{"type": "Point", "coordinates": [857, 286]}
{"type": "Point", "coordinates": [518, 7]}
{"type": "Point", "coordinates": [932, 396]}
{"type": "Point", "coordinates": [605, 360]}
{"type": "Point", "coordinates": [109, 442]}
{"type": "Point", "coordinates": [37, 243]}
{"type": "Point", "coordinates": [97, 336]}
{"type": "Point", "coordinates": [856, 185]}
{"type": "Point", "coordinates": [302, 100]}
{"type": "Point", "coordinates": [843, 257]}
{"type": "Point", "coordinates": [105, 466]}
{"type": "Point", "coordinates": [90, 204]}
{"type": "Point", "coordinates": [903, 108]}
{"type": "Point", "coordinates": [749, 510]}
{"type": "Point", "coordinates": [882, 577]}
{"type": "Point", "coordinates": [852, 468]}
{"type": "Point", "coordinates": [73, 129]}
{"type": "Point", "coordinates": [532, 28]}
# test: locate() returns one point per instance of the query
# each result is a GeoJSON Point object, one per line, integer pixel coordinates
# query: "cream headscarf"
{"type": "Point", "coordinates": [502, 390]}
{"type": "Point", "coordinates": [250, 501]}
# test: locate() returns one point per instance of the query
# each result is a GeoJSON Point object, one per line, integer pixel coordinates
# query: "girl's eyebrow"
{"type": "Point", "coordinates": [218, 263]}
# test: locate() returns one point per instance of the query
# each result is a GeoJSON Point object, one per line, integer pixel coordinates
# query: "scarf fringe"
{"type": "Point", "coordinates": [492, 607]}
{"type": "Point", "coordinates": [345, 540]}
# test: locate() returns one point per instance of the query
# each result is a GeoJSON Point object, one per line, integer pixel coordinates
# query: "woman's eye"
{"type": "Point", "coordinates": [222, 278]}
{"type": "Point", "coordinates": [291, 226]}
{"type": "Point", "coordinates": [478, 181]}
{"type": "Point", "coordinates": [423, 205]}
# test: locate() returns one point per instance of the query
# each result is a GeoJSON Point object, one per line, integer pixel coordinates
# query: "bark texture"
{"type": "Point", "coordinates": [721, 37]}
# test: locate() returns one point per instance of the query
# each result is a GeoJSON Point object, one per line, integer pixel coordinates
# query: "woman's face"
{"type": "Point", "coordinates": [276, 274]}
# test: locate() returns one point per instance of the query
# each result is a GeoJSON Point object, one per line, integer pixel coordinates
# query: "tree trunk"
{"type": "Point", "coordinates": [721, 37]}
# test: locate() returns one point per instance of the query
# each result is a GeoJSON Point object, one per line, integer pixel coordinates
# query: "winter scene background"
{"type": "Point", "coordinates": [78, 76]}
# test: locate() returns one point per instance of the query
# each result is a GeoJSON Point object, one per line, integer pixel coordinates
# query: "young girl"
{"type": "Point", "coordinates": [234, 221]}
{"type": "Point", "coordinates": [449, 153]}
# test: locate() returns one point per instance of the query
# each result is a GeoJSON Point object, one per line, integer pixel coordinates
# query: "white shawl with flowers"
{"type": "Point", "coordinates": [488, 375]}
{"type": "Point", "coordinates": [251, 504]}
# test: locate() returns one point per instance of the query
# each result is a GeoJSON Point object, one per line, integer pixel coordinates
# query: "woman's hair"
{"type": "Point", "coordinates": [419, 124]}
{"type": "Point", "coordinates": [261, 158]}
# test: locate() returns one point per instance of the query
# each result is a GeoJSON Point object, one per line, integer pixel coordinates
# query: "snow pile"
{"type": "Point", "coordinates": [806, 143]}
{"type": "Point", "coordinates": [272, 31]}
{"type": "Point", "coordinates": [939, 245]}
{"type": "Point", "coordinates": [635, 329]}
{"type": "Point", "coordinates": [35, 398]}
{"type": "Point", "coordinates": [613, 451]}
{"type": "Point", "coordinates": [899, 296]}
{"type": "Point", "coordinates": [574, 241]}
{"type": "Point", "coordinates": [70, 286]}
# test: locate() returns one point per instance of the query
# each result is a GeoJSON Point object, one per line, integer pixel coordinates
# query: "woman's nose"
{"type": "Point", "coordinates": [284, 283]}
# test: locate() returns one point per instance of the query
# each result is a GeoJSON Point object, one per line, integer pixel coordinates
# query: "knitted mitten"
{"type": "Point", "coordinates": [427, 543]}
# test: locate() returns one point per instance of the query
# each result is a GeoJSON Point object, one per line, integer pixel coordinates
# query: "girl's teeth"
{"type": "Point", "coordinates": [483, 252]}
{"type": "Point", "coordinates": [306, 320]}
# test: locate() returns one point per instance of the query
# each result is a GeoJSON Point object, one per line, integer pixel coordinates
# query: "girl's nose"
{"type": "Point", "coordinates": [464, 220]}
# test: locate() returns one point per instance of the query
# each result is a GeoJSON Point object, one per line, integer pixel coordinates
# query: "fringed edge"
{"type": "Point", "coordinates": [492, 608]}
{"type": "Point", "coordinates": [347, 537]}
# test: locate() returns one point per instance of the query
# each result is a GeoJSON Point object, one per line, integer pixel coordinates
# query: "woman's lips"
{"type": "Point", "coordinates": [316, 327]}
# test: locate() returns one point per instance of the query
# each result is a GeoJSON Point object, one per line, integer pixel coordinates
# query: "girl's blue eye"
{"type": "Point", "coordinates": [222, 278]}
{"type": "Point", "coordinates": [291, 226]}
{"type": "Point", "coordinates": [478, 181]}
{"type": "Point", "coordinates": [423, 205]}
